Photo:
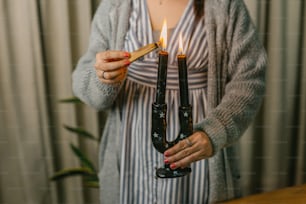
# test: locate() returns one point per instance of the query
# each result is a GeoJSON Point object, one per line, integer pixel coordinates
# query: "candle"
{"type": "Point", "coordinates": [162, 67]}
{"type": "Point", "coordinates": [183, 78]}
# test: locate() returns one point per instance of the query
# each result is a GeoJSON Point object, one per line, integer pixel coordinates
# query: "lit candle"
{"type": "Point", "coordinates": [183, 78]}
{"type": "Point", "coordinates": [162, 67]}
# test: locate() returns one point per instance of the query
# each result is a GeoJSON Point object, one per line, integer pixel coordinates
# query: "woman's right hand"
{"type": "Point", "coordinates": [111, 66]}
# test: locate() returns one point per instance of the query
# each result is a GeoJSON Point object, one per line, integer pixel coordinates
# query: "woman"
{"type": "Point", "coordinates": [226, 66]}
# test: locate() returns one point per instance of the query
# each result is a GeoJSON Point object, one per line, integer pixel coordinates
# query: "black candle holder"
{"type": "Point", "coordinates": [159, 127]}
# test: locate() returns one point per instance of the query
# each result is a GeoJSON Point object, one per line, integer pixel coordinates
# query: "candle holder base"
{"type": "Point", "coordinates": [169, 173]}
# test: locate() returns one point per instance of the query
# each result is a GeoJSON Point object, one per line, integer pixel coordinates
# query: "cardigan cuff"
{"type": "Point", "coordinates": [215, 131]}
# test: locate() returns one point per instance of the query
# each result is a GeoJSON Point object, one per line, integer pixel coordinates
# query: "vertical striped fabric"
{"type": "Point", "coordinates": [139, 158]}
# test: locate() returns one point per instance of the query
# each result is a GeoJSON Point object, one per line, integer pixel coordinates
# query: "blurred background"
{"type": "Point", "coordinates": [40, 44]}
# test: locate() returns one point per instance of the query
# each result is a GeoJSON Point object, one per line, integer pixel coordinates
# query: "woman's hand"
{"type": "Point", "coordinates": [111, 66]}
{"type": "Point", "coordinates": [194, 148]}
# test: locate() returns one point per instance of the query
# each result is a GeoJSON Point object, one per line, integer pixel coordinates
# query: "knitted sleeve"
{"type": "Point", "coordinates": [85, 82]}
{"type": "Point", "coordinates": [245, 80]}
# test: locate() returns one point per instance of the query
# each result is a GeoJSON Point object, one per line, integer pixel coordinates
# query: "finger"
{"type": "Point", "coordinates": [182, 154]}
{"type": "Point", "coordinates": [199, 139]}
{"type": "Point", "coordinates": [187, 160]}
{"type": "Point", "coordinates": [109, 55]}
{"type": "Point", "coordinates": [112, 66]}
{"type": "Point", "coordinates": [192, 154]}
{"type": "Point", "coordinates": [112, 77]}
{"type": "Point", "coordinates": [187, 156]}
{"type": "Point", "coordinates": [181, 145]}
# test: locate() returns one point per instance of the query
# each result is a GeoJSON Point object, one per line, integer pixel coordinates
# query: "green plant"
{"type": "Point", "coordinates": [87, 169]}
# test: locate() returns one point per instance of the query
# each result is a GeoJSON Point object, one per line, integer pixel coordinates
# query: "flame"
{"type": "Point", "coordinates": [163, 35]}
{"type": "Point", "coordinates": [181, 50]}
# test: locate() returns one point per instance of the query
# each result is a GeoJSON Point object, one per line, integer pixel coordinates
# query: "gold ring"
{"type": "Point", "coordinates": [188, 142]}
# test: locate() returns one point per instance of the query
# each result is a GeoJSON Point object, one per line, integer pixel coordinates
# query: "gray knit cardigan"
{"type": "Point", "coordinates": [236, 80]}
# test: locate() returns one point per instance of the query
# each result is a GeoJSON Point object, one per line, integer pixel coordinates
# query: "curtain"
{"type": "Point", "coordinates": [273, 149]}
{"type": "Point", "coordinates": [40, 44]}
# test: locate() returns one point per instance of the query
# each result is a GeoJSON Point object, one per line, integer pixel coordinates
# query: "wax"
{"type": "Point", "coordinates": [183, 79]}
{"type": "Point", "coordinates": [162, 77]}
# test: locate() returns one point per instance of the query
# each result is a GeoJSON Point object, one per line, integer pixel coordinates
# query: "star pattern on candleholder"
{"type": "Point", "coordinates": [161, 115]}
{"type": "Point", "coordinates": [182, 136]}
{"type": "Point", "coordinates": [186, 114]}
{"type": "Point", "coordinates": [155, 135]}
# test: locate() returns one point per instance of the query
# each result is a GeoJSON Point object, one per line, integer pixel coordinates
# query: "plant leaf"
{"type": "Point", "coordinates": [92, 178]}
{"type": "Point", "coordinates": [71, 100]}
{"type": "Point", "coordinates": [68, 172]}
{"type": "Point", "coordinates": [81, 132]}
{"type": "Point", "coordinates": [82, 157]}
{"type": "Point", "coordinates": [91, 184]}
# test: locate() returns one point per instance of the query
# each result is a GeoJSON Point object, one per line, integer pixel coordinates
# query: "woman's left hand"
{"type": "Point", "coordinates": [194, 148]}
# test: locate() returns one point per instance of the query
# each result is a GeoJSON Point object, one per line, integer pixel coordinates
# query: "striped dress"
{"type": "Point", "coordinates": [138, 183]}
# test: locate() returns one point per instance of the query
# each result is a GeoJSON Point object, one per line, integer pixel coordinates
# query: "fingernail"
{"type": "Point", "coordinates": [166, 154]}
{"type": "Point", "coordinates": [166, 161]}
{"type": "Point", "coordinates": [127, 63]}
{"type": "Point", "coordinates": [126, 54]}
{"type": "Point", "coordinates": [173, 166]}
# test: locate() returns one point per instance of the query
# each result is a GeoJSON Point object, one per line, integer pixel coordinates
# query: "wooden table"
{"type": "Point", "coordinates": [290, 195]}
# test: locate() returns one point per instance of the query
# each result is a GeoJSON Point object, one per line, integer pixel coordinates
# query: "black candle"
{"type": "Point", "coordinates": [183, 79]}
{"type": "Point", "coordinates": [162, 66]}
{"type": "Point", "coordinates": [162, 77]}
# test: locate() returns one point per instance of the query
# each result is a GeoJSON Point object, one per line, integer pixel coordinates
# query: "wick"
{"type": "Point", "coordinates": [180, 52]}
{"type": "Point", "coordinates": [160, 45]}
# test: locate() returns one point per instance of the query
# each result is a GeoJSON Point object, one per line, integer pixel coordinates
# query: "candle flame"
{"type": "Point", "coordinates": [181, 50]}
{"type": "Point", "coordinates": [163, 35]}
